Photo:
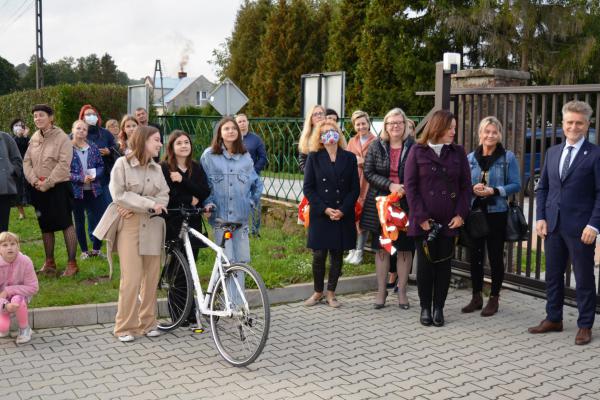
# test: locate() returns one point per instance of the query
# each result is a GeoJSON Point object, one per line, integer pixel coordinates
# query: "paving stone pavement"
{"type": "Point", "coordinates": [353, 352]}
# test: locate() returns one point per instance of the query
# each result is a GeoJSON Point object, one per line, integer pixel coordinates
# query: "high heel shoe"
{"type": "Point", "coordinates": [380, 306]}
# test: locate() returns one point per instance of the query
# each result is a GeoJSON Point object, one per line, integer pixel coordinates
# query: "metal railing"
{"type": "Point", "coordinates": [531, 117]}
{"type": "Point", "coordinates": [282, 177]}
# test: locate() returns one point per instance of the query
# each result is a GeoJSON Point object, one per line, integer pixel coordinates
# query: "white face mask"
{"type": "Point", "coordinates": [17, 130]}
{"type": "Point", "coordinates": [91, 119]}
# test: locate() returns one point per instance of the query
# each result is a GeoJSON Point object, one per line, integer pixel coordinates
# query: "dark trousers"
{"type": "Point", "coordinates": [93, 207]}
{"type": "Point", "coordinates": [494, 242]}
{"type": "Point", "coordinates": [559, 247]}
{"type": "Point", "coordinates": [5, 204]}
{"type": "Point", "coordinates": [335, 268]}
{"type": "Point", "coordinates": [433, 279]}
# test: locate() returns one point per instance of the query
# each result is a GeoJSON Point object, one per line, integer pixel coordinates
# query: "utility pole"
{"type": "Point", "coordinates": [39, 46]}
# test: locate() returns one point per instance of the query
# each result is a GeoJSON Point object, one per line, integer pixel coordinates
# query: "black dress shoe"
{"type": "Point", "coordinates": [438, 316]}
{"type": "Point", "coordinates": [426, 317]}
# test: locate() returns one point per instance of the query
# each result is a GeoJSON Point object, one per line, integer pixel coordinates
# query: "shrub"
{"type": "Point", "coordinates": [66, 100]}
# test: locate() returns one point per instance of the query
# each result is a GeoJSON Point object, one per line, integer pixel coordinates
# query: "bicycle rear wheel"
{"type": "Point", "coordinates": [176, 282]}
{"type": "Point", "coordinates": [241, 338]}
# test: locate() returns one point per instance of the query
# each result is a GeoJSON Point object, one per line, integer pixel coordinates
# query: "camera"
{"type": "Point", "coordinates": [435, 230]}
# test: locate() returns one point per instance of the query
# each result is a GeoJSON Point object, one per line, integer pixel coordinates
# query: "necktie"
{"type": "Point", "coordinates": [566, 163]}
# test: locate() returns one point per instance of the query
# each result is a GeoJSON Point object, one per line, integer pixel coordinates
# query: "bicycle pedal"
{"type": "Point", "coordinates": [198, 330]}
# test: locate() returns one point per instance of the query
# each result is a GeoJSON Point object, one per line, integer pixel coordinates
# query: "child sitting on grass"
{"type": "Point", "coordinates": [18, 283]}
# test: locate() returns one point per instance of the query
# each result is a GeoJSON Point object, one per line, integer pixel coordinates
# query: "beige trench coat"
{"type": "Point", "coordinates": [137, 188]}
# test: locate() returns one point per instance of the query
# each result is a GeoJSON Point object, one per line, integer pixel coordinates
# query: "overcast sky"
{"type": "Point", "coordinates": [134, 32]}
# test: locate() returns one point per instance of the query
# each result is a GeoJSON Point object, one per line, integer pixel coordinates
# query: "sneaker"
{"type": "Point", "coordinates": [85, 255]}
{"type": "Point", "coordinates": [350, 256]}
{"type": "Point", "coordinates": [24, 335]}
{"type": "Point", "coordinates": [98, 253]}
{"type": "Point", "coordinates": [357, 259]}
{"type": "Point", "coordinates": [126, 338]}
{"type": "Point", "coordinates": [153, 333]}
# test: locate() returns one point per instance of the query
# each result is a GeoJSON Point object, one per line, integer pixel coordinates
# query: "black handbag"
{"type": "Point", "coordinates": [517, 229]}
{"type": "Point", "coordinates": [476, 224]}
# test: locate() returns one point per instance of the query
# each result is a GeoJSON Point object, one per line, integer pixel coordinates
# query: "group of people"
{"type": "Point", "coordinates": [438, 185]}
{"type": "Point", "coordinates": [114, 180]}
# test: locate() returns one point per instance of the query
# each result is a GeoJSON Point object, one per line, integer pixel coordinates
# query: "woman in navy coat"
{"type": "Point", "coordinates": [332, 187]}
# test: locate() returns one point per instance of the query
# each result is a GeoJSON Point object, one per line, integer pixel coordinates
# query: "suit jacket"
{"type": "Point", "coordinates": [335, 186]}
{"type": "Point", "coordinates": [577, 197]}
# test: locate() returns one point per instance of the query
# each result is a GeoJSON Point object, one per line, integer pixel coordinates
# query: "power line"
{"type": "Point", "coordinates": [19, 12]}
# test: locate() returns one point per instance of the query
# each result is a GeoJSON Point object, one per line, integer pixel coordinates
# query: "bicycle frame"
{"type": "Point", "coordinates": [218, 273]}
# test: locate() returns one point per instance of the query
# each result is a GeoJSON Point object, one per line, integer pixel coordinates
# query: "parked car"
{"type": "Point", "coordinates": [530, 181]}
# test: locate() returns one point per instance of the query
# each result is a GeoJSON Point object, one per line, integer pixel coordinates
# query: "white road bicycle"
{"type": "Point", "coordinates": [235, 302]}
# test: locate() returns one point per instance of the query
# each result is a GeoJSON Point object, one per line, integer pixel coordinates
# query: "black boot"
{"type": "Point", "coordinates": [426, 316]}
{"type": "Point", "coordinates": [438, 316]}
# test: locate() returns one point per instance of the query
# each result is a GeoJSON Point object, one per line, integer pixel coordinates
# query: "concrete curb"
{"type": "Point", "coordinates": [91, 314]}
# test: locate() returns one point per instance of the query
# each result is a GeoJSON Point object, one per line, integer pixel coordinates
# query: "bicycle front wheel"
{"type": "Point", "coordinates": [241, 338]}
{"type": "Point", "coordinates": [176, 283]}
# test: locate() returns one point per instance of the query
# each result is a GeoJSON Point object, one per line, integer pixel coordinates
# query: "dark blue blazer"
{"type": "Point", "coordinates": [577, 197]}
{"type": "Point", "coordinates": [334, 186]}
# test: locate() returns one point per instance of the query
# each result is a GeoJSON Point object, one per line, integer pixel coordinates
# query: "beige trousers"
{"type": "Point", "coordinates": [139, 276]}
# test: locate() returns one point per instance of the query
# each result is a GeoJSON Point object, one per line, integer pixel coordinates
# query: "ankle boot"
{"type": "Point", "coordinates": [426, 319]}
{"type": "Point", "coordinates": [71, 269]}
{"type": "Point", "coordinates": [476, 303]}
{"type": "Point", "coordinates": [49, 267]}
{"type": "Point", "coordinates": [491, 307]}
{"type": "Point", "coordinates": [438, 316]}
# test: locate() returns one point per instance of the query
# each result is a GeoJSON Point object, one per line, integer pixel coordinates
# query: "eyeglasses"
{"type": "Point", "coordinates": [400, 123]}
{"type": "Point", "coordinates": [319, 114]}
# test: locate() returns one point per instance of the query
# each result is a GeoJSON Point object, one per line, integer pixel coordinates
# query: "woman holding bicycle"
{"type": "Point", "coordinates": [235, 188]}
{"type": "Point", "coordinates": [139, 191]}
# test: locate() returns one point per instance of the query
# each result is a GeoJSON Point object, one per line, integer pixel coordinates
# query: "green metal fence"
{"type": "Point", "coordinates": [282, 177]}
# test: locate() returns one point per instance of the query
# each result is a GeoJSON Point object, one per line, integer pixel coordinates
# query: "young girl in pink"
{"type": "Point", "coordinates": [18, 283]}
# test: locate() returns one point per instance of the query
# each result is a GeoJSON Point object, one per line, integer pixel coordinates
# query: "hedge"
{"type": "Point", "coordinates": [66, 100]}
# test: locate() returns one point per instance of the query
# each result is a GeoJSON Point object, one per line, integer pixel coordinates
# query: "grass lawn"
{"type": "Point", "coordinates": [281, 259]}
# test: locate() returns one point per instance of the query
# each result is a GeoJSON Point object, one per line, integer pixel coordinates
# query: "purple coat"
{"type": "Point", "coordinates": [428, 189]}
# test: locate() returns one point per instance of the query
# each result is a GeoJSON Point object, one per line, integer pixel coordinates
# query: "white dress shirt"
{"type": "Point", "coordinates": [574, 152]}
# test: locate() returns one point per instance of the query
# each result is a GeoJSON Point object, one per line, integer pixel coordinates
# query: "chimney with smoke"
{"type": "Point", "coordinates": [188, 48]}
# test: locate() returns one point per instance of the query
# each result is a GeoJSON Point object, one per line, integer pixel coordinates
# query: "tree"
{"type": "Point", "coordinates": [545, 37]}
{"type": "Point", "coordinates": [344, 40]}
{"type": "Point", "coordinates": [8, 77]}
{"type": "Point", "coordinates": [293, 44]}
{"type": "Point", "coordinates": [237, 57]}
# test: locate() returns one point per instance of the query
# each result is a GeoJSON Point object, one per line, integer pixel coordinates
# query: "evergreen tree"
{"type": "Point", "coordinates": [8, 77]}
{"type": "Point", "coordinates": [344, 40]}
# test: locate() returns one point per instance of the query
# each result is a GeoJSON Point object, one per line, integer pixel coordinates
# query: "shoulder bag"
{"type": "Point", "coordinates": [517, 228]}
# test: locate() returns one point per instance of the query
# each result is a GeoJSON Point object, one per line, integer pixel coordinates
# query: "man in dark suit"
{"type": "Point", "coordinates": [568, 218]}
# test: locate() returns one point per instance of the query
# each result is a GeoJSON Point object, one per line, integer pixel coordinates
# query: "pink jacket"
{"type": "Point", "coordinates": [360, 150]}
{"type": "Point", "coordinates": [18, 277]}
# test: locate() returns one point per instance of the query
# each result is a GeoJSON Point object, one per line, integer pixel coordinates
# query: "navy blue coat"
{"type": "Point", "coordinates": [336, 186]}
{"type": "Point", "coordinates": [577, 197]}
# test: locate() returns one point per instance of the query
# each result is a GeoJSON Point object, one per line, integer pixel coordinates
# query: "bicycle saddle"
{"type": "Point", "coordinates": [222, 224]}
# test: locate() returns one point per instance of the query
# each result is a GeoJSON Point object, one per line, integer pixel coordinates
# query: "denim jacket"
{"type": "Point", "coordinates": [78, 172]}
{"type": "Point", "coordinates": [496, 179]}
{"type": "Point", "coordinates": [235, 188]}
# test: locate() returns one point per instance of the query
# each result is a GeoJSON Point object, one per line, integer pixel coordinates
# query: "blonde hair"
{"type": "Point", "coordinates": [360, 114]}
{"type": "Point", "coordinates": [111, 122]}
{"type": "Point", "coordinates": [315, 138]}
{"type": "Point", "coordinates": [303, 143]}
{"type": "Point", "coordinates": [490, 121]}
{"type": "Point", "coordinates": [77, 121]}
{"type": "Point", "coordinates": [384, 135]}
{"type": "Point", "coordinates": [9, 237]}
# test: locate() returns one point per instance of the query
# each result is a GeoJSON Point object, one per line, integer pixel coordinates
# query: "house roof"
{"type": "Point", "coordinates": [168, 83]}
{"type": "Point", "coordinates": [181, 86]}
